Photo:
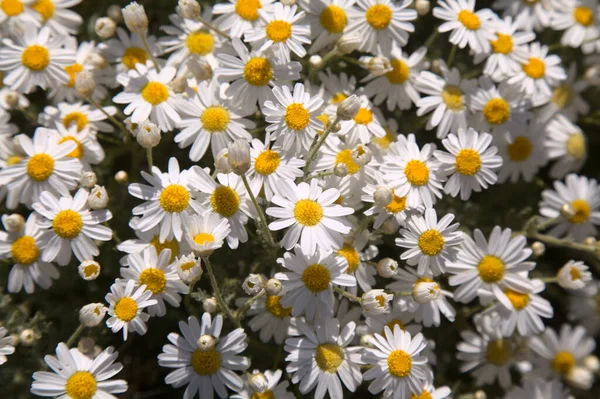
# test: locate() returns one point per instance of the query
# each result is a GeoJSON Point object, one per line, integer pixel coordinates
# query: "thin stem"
{"type": "Point", "coordinates": [432, 38]}
{"type": "Point", "coordinates": [315, 148]}
{"type": "Point", "coordinates": [451, 56]}
{"type": "Point", "coordinates": [352, 61]}
{"type": "Point", "coordinates": [261, 215]}
{"type": "Point", "coordinates": [217, 293]}
{"type": "Point", "coordinates": [318, 174]}
{"type": "Point", "coordinates": [114, 233]}
{"type": "Point", "coordinates": [549, 279]}
{"type": "Point", "coordinates": [31, 117]}
{"type": "Point", "coordinates": [110, 117]}
{"type": "Point", "coordinates": [329, 56]}
{"type": "Point", "coordinates": [242, 311]}
{"type": "Point", "coordinates": [149, 157]}
{"type": "Point", "coordinates": [74, 336]}
{"type": "Point", "coordinates": [147, 47]}
{"type": "Point", "coordinates": [346, 294]}
{"type": "Point", "coordinates": [214, 28]}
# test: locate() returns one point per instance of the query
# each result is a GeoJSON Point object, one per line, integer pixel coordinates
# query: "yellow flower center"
{"type": "Point", "coordinates": [174, 198]}
{"type": "Point", "coordinates": [491, 269]}
{"type": "Point", "coordinates": [45, 8]}
{"type": "Point", "coordinates": [308, 212]}
{"type": "Point", "coordinates": [577, 146]}
{"type": "Point", "coordinates": [258, 71]}
{"type": "Point", "coordinates": [24, 251]}
{"type": "Point", "coordinates": [352, 257]}
{"type": "Point", "coordinates": [379, 16]}
{"type": "Point", "coordinates": [36, 57]}
{"type": "Point", "coordinates": [206, 362]}
{"type": "Point", "coordinates": [225, 201]}
{"type": "Point", "coordinates": [296, 116]}
{"type": "Point", "coordinates": [78, 151]}
{"type": "Point", "coordinates": [582, 211]}
{"type": "Point", "coordinates": [399, 363]}
{"type": "Point", "coordinates": [90, 270]}
{"type": "Point", "coordinates": [496, 111]}
{"type": "Point", "coordinates": [248, 9]}
{"type": "Point", "coordinates": [12, 7]}
{"type": "Point", "coordinates": [73, 70]}
{"type": "Point", "coordinates": [345, 157]}
{"type": "Point", "coordinates": [363, 116]}
{"type": "Point", "coordinates": [469, 20]}
{"type": "Point", "coordinates": [329, 357]}
{"type": "Point", "coordinates": [431, 242]}
{"type": "Point", "coordinates": [204, 238]}
{"type": "Point", "coordinates": [265, 395]}
{"type": "Point", "coordinates": [535, 68]}
{"type": "Point", "coordinates": [520, 149]}
{"type": "Point", "coordinates": [154, 279]}
{"type": "Point", "coordinates": [67, 224]}
{"type": "Point", "coordinates": [333, 18]}
{"type": "Point", "coordinates": [126, 309]}
{"type": "Point", "coordinates": [279, 31]}
{"type": "Point", "coordinates": [584, 16]}
{"type": "Point", "coordinates": [416, 172]}
{"type": "Point", "coordinates": [452, 96]}
{"type": "Point", "coordinates": [316, 278]}
{"type": "Point", "coordinates": [423, 280]}
{"type": "Point", "coordinates": [40, 167]}
{"type": "Point", "coordinates": [398, 204]}
{"type": "Point", "coordinates": [498, 352]}
{"type": "Point", "coordinates": [267, 162]}
{"type": "Point", "coordinates": [575, 274]}
{"type": "Point", "coordinates": [187, 266]}
{"type": "Point", "coordinates": [399, 73]}
{"type": "Point", "coordinates": [563, 362]}
{"type": "Point", "coordinates": [563, 96]}
{"type": "Point", "coordinates": [173, 245]}
{"type": "Point", "coordinates": [273, 305]}
{"type": "Point", "coordinates": [133, 56]}
{"type": "Point", "coordinates": [502, 45]}
{"type": "Point", "coordinates": [13, 160]}
{"type": "Point", "coordinates": [338, 98]}
{"type": "Point", "coordinates": [77, 118]}
{"type": "Point", "coordinates": [81, 385]}
{"type": "Point", "coordinates": [424, 395]}
{"type": "Point", "coordinates": [201, 43]}
{"type": "Point", "coordinates": [155, 93]}
{"type": "Point", "coordinates": [385, 141]}
{"type": "Point", "coordinates": [517, 299]}
{"type": "Point", "coordinates": [394, 323]}
{"type": "Point", "coordinates": [215, 119]}
{"type": "Point", "coordinates": [468, 162]}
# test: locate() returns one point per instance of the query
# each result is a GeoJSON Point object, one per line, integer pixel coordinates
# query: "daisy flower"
{"type": "Point", "coordinates": [337, 87]}
{"type": "Point", "coordinates": [267, 317]}
{"type": "Point", "coordinates": [398, 316]}
{"type": "Point", "coordinates": [334, 152]}
{"type": "Point", "coordinates": [34, 59]}
{"type": "Point", "coordinates": [327, 20]}
{"type": "Point", "coordinates": [239, 16]}
{"type": "Point", "coordinates": [45, 166]}
{"type": "Point", "coordinates": [380, 23]}
{"type": "Point", "coordinates": [209, 119]}
{"type": "Point", "coordinates": [88, 150]}
{"type": "Point", "coordinates": [567, 98]}
{"type": "Point", "coordinates": [534, 14]}
{"type": "Point", "coordinates": [19, 12]}
{"type": "Point", "coordinates": [311, 214]}
{"type": "Point", "coordinates": [204, 361]}
{"type": "Point", "coordinates": [493, 265]}
{"type": "Point", "coordinates": [79, 114]}
{"type": "Point", "coordinates": [522, 154]}
{"type": "Point", "coordinates": [24, 248]}
{"type": "Point", "coordinates": [5, 345]}
{"type": "Point", "coordinates": [75, 375]}
{"type": "Point", "coordinates": [582, 197]}
{"type": "Point", "coordinates": [538, 388]}
{"type": "Point", "coordinates": [396, 210]}
{"type": "Point", "coordinates": [71, 225]}
{"type": "Point", "coordinates": [128, 50]}
{"type": "Point", "coordinates": [127, 306]}
{"type": "Point", "coordinates": [205, 233]}
{"type": "Point", "coordinates": [149, 96]}
{"type": "Point", "coordinates": [578, 19]}
{"type": "Point", "coordinates": [469, 27]}
{"type": "Point", "coordinates": [565, 144]}
{"type": "Point", "coordinates": [273, 387]}
{"type": "Point", "coordinates": [470, 161]}
{"type": "Point", "coordinates": [573, 275]}
{"type": "Point", "coordinates": [396, 87]}
{"type": "Point", "coordinates": [56, 15]}
{"type": "Point", "coordinates": [308, 286]}
{"type": "Point", "coordinates": [320, 357]}
{"type": "Point", "coordinates": [281, 30]}
{"type": "Point", "coordinates": [292, 118]}
{"type": "Point", "coordinates": [364, 125]}
{"type": "Point", "coordinates": [399, 369]}
{"type": "Point", "coordinates": [584, 307]}
{"type": "Point", "coordinates": [7, 94]}
{"type": "Point", "coordinates": [356, 252]}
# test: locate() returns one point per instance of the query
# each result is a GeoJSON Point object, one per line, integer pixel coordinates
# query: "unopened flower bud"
{"type": "Point", "coordinates": [361, 155]}
{"type": "Point", "coordinates": [86, 345]}
{"type": "Point", "coordinates": [387, 267]}
{"type": "Point", "coordinates": [239, 156]}
{"type": "Point", "coordinates": [573, 275]}
{"type": "Point", "coordinates": [422, 7]}
{"type": "Point", "coordinates": [210, 305]}
{"type": "Point", "coordinates": [567, 211]}
{"type": "Point", "coordinates": [206, 342]}
{"type": "Point", "coordinates": [89, 270]}
{"type": "Point", "coordinates": [383, 196]}
{"type": "Point", "coordinates": [27, 337]}
{"type": "Point", "coordinates": [538, 248]}
{"type": "Point", "coordinates": [389, 227]}
{"type": "Point", "coordinates": [148, 134]}
{"type": "Point", "coordinates": [97, 60]}
{"type": "Point", "coordinates": [85, 83]}
{"type": "Point", "coordinates": [189, 9]}
{"type": "Point", "coordinates": [591, 363]}
{"type": "Point", "coordinates": [253, 284]}
{"type": "Point", "coordinates": [480, 394]}
{"type": "Point", "coordinates": [221, 162]}
{"type": "Point", "coordinates": [13, 223]}
{"type": "Point", "coordinates": [114, 12]}
{"type": "Point", "coordinates": [425, 292]}
{"type": "Point", "coordinates": [365, 340]}
{"type": "Point", "coordinates": [179, 84]}
{"type": "Point", "coordinates": [258, 383]}
{"type": "Point", "coordinates": [189, 268]}
{"type": "Point", "coordinates": [340, 170]}
{"type": "Point", "coordinates": [199, 68]}
{"type": "Point", "coordinates": [592, 73]}
{"type": "Point", "coordinates": [348, 108]}
{"type": "Point", "coordinates": [347, 43]}
{"type": "Point", "coordinates": [378, 66]}
{"type": "Point", "coordinates": [105, 27]}
{"type": "Point", "coordinates": [436, 66]}
{"type": "Point", "coordinates": [98, 198]}
{"type": "Point", "coordinates": [135, 18]}
{"type": "Point", "coordinates": [88, 179]}
{"type": "Point", "coordinates": [121, 177]}
{"type": "Point", "coordinates": [316, 61]}
{"type": "Point", "coordinates": [273, 287]}
{"type": "Point", "coordinates": [580, 378]}
{"type": "Point", "coordinates": [376, 302]}
{"type": "Point", "coordinates": [11, 99]}
{"type": "Point", "coordinates": [590, 241]}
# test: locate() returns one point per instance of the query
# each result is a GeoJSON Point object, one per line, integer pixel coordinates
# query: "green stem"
{"type": "Point", "coordinates": [432, 38]}
{"type": "Point", "coordinates": [315, 148]}
{"type": "Point", "coordinates": [110, 117]}
{"type": "Point", "coordinates": [147, 47]}
{"type": "Point", "coordinates": [319, 175]}
{"type": "Point", "coordinates": [549, 279]}
{"type": "Point", "coordinates": [329, 56]}
{"type": "Point", "coordinates": [149, 158]}
{"type": "Point", "coordinates": [74, 336]}
{"type": "Point", "coordinates": [351, 60]}
{"type": "Point", "coordinates": [451, 56]}
{"type": "Point", "coordinates": [242, 311]}
{"type": "Point", "coordinates": [346, 294]}
{"type": "Point", "coordinates": [31, 117]}
{"type": "Point", "coordinates": [261, 216]}
{"type": "Point", "coordinates": [214, 28]}
{"type": "Point", "coordinates": [217, 293]}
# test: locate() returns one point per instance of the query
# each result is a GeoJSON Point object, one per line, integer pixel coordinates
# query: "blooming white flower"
{"type": "Point", "coordinates": [239, 16]}
{"type": "Point", "coordinates": [376, 302]}
{"type": "Point", "coordinates": [364, 125]}
{"type": "Point", "coordinates": [578, 19]}
{"type": "Point", "coordinates": [566, 145]}
{"type": "Point", "coordinates": [573, 275]}
{"type": "Point", "coordinates": [269, 317]}
{"type": "Point", "coordinates": [126, 307]}
{"type": "Point", "coordinates": [532, 14]}
{"type": "Point", "coordinates": [567, 98]}
{"type": "Point", "coordinates": [92, 314]}
{"type": "Point", "coordinates": [128, 50]}
{"type": "Point", "coordinates": [205, 233]}
{"type": "Point", "coordinates": [327, 20]}
{"type": "Point", "coordinates": [522, 153]}
{"type": "Point", "coordinates": [5, 345]}
{"type": "Point", "coordinates": [272, 387]}
{"type": "Point", "coordinates": [78, 114]}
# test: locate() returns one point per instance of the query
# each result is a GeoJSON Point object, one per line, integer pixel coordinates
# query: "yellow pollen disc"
{"type": "Point", "coordinates": [363, 116]}
{"type": "Point", "coordinates": [13, 160]}
{"type": "Point", "coordinates": [24, 251]}
{"type": "Point", "coordinates": [423, 280]}
{"type": "Point", "coordinates": [40, 167]}
{"type": "Point", "coordinates": [12, 7]}
{"type": "Point", "coordinates": [265, 395]}
{"type": "Point", "coordinates": [81, 385]}
{"type": "Point", "coordinates": [380, 300]}
{"type": "Point", "coordinates": [340, 200]}
{"type": "Point", "coordinates": [279, 31]}
{"type": "Point", "coordinates": [416, 172]}
{"type": "Point", "coordinates": [201, 43]}
{"type": "Point", "coordinates": [333, 18]}
{"type": "Point", "coordinates": [469, 20]}
{"type": "Point", "coordinates": [73, 70]}
{"type": "Point", "coordinates": [215, 119]}
{"type": "Point", "coordinates": [379, 16]}
{"type": "Point", "coordinates": [498, 352]}
{"type": "Point", "coordinates": [133, 56]}
{"type": "Point", "coordinates": [316, 278]}
{"type": "Point", "coordinates": [518, 300]}
{"type": "Point", "coordinates": [296, 116]}
{"type": "Point", "coordinates": [530, 2]}
{"type": "Point", "coordinates": [338, 98]}
{"type": "Point", "coordinates": [563, 96]}
{"type": "Point", "coordinates": [77, 118]}
{"type": "Point", "coordinates": [248, 9]}
{"type": "Point", "coordinates": [187, 266]}
{"type": "Point", "coordinates": [535, 68]}
{"type": "Point", "coordinates": [399, 73]}
{"type": "Point", "coordinates": [399, 363]}
{"type": "Point", "coordinates": [502, 45]}
{"type": "Point", "coordinates": [496, 111]}
{"type": "Point", "coordinates": [78, 151]}
{"type": "Point", "coordinates": [329, 357]}
{"type": "Point", "coordinates": [90, 270]}
{"type": "Point", "coordinates": [267, 162]}
{"type": "Point", "coordinates": [352, 257]}
{"type": "Point", "coordinates": [345, 157]}
{"type": "Point", "coordinates": [520, 149]}
{"type": "Point", "coordinates": [584, 16]}
{"type": "Point", "coordinates": [491, 269]}
{"type": "Point", "coordinates": [204, 238]}
{"type": "Point", "coordinates": [273, 305]}
{"type": "Point", "coordinates": [45, 8]}
{"type": "Point", "coordinates": [468, 162]}
{"type": "Point", "coordinates": [173, 245]}
{"type": "Point", "coordinates": [174, 198]}
{"type": "Point", "coordinates": [206, 362]}
{"type": "Point", "coordinates": [385, 141]}
{"type": "Point", "coordinates": [424, 395]}
{"type": "Point", "coordinates": [394, 323]}
{"type": "Point", "coordinates": [452, 96]}
{"type": "Point", "coordinates": [67, 224]}
{"type": "Point", "coordinates": [431, 242]}
{"type": "Point", "coordinates": [575, 274]}
{"type": "Point", "coordinates": [154, 279]}
{"type": "Point", "coordinates": [398, 204]}
{"type": "Point", "coordinates": [577, 146]}
{"type": "Point", "coordinates": [258, 71]}
{"type": "Point", "coordinates": [582, 211]}
{"type": "Point", "coordinates": [225, 201]}
{"type": "Point", "coordinates": [325, 119]}
{"type": "Point", "coordinates": [126, 309]}
{"type": "Point", "coordinates": [308, 212]}
{"type": "Point", "coordinates": [155, 93]}
{"type": "Point", "coordinates": [36, 57]}
{"type": "Point", "coordinates": [563, 362]}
